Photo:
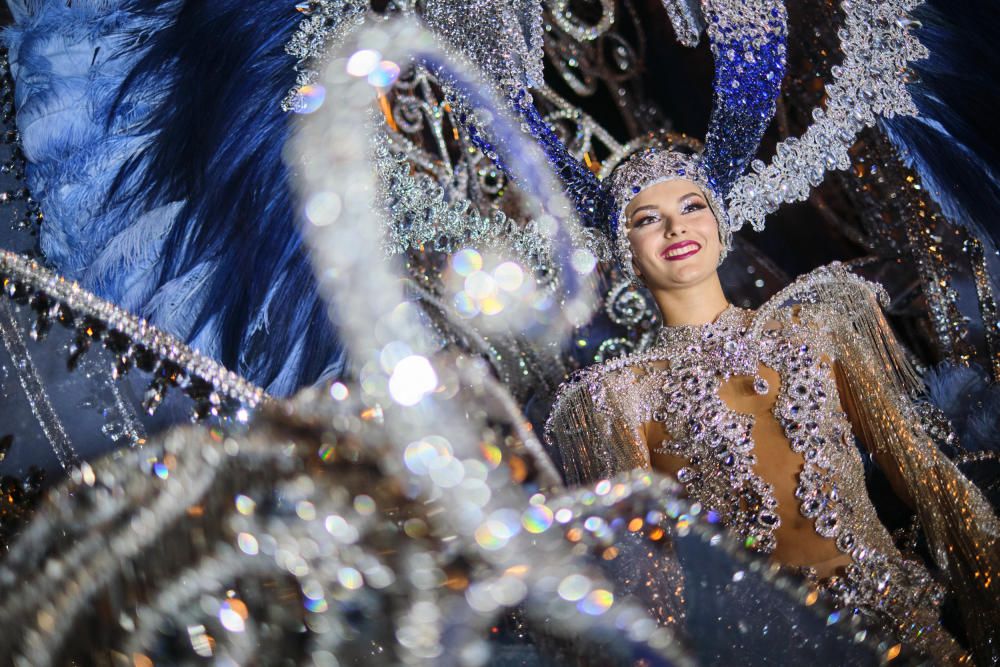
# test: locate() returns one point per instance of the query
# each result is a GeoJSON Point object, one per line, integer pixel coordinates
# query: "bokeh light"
{"type": "Point", "coordinates": [537, 519]}
{"type": "Point", "coordinates": [412, 379]}
{"type": "Point", "coordinates": [384, 74]}
{"type": "Point", "coordinates": [363, 62]}
{"type": "Point", "coordinates": [311, 98]}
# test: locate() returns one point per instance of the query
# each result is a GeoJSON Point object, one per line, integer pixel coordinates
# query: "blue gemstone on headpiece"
{"type": "Point", "coordinates": [635, 189]}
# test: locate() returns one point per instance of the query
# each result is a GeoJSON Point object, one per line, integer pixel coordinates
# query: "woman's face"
{"type": "Point", "coordinates": [674, 235]}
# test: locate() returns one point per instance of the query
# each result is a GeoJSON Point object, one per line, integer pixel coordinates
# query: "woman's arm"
{"type": "Point", "coordinates": [886, 463]}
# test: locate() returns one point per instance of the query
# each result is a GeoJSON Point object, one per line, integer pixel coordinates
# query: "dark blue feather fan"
{"type": "Point", "coordinates": [953, 144]}
{"type": "Point", "coordinates": [160, 168]}
{"type": "Point", "coordinates": [218, 139]}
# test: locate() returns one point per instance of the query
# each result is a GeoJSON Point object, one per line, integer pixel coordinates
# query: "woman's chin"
{"type": "Point", "coordinates": [685, 276]}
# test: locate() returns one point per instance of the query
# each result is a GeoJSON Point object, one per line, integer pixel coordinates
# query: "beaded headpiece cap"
{"type": "Point", "coordinates": [658, 165]}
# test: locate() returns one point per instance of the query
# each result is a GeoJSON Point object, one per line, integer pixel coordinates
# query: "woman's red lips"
{"type": "Point", "coordinates": [680, 250]}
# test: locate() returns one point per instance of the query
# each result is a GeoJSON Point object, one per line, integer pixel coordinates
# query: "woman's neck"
{"type": "Point", "coordinates": [692, 305]}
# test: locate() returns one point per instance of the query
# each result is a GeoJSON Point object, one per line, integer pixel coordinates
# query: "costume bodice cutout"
{"type": "Point", "coordinates": [713, 394]}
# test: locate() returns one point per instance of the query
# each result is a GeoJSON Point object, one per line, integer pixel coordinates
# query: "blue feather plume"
{"type": "Point", "coordinates": [218, 139]}
{"type": "Point", "coordinates": [953, 144]}
{"type": "Point", "coordinates": [165, 189]}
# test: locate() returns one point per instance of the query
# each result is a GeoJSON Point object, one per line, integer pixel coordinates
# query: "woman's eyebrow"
{"type": "Point", "coordinates": [690, 194]}
{"type": "Point", "coordinates": [647, 207]}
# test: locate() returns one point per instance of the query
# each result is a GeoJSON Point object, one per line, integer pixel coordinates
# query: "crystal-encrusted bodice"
{"type": "Point", "coordinates": [692, 402]}
{"type": "Point", "coordinates": [678, 384]}
{"type": "Point", "coordinates": [676, 389]}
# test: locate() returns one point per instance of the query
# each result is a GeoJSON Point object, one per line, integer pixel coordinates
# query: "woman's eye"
{"type": "Point", "coordinates": [690, 208]}
{"type": "Point", "coordinates": [645, 220]}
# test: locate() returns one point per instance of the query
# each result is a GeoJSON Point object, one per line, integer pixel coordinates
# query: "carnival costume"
{"type": "Point", "coordinates": [667, 400]}
{"type": "Point", "coordinates": [167, 196]}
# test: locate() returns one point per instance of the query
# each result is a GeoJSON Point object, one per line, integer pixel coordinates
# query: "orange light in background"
{"type": "Point", "coordinates": [383, 104]}
{"type": "Point", "coordinates": [518, 469]}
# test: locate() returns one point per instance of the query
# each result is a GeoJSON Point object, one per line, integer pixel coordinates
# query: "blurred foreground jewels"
{"type": "Point", "coordinates": [292, 544]}
{"type": "Point", "coordinates": [299, 542]}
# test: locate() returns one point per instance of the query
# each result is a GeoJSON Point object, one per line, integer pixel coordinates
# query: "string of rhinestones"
{"type": "Point", "coordinates": [215, 389]}
{"type": "Point", "coordinates": [34, 389]}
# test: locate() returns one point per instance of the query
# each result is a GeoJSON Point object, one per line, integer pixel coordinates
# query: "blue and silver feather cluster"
{"type": "Point", "coordinates": [154, 137]}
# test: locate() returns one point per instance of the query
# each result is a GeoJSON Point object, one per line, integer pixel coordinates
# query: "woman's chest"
{"type": "Point", "coordinates": [710, 393]}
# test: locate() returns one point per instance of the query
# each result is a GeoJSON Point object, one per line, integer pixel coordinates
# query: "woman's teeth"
{"type": "Point", "coordinates": [683, 250]}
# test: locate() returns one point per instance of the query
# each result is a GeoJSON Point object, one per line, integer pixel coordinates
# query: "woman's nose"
{"type": "Point", "coordinates": [672, 227]}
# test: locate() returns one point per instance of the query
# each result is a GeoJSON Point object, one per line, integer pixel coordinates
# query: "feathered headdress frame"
{"type": "Point", "coordinates": [748, 43]}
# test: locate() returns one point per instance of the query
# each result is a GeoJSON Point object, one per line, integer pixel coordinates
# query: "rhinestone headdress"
{"type": "Point", "coordinates": [748, 43]}
{"type": "Point", "coordinates": [658, 165]}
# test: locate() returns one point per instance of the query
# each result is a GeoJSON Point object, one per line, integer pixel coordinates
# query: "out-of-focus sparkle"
{"type": "Point", "coordinates": [337, 526]}
{"type": "Point", "coordinates": [338, 391]}
{"type": "Point", "coordinates": [364, 505]}
{"type": "Point", "coordinates": [491, 453]}
{"type": "Point", "coordinates": [350, 578]}
{"type": "Point", "coordinates": [509, 276]}
{"type": "Point", "coordinates": [573, 587]}
{"type": "Point", "coordinates": [466, 305]}
{"type": "Point", "coordinates": [466, 262]}
{"type": "Point", "coordinates": [491, 306]}
{"type": "Point", "coordinates": [537, 519]}
{"type": "Point", "coordinates": [323, 208]}
{"type": "Point", "coordinates": [480, 285]}
{"type": "Point", "coordinates": [363, 62]}
{"type": "Point", "coordinates": [384, 74]}
{"type": "Point", "coordinates": [411, 380]}
{"type": "Point", "coordinates": [583, 261]}
{"type": "Point", "coordinates": [311, 98]}
{"type": "Point", "coordinates": [248, 544]}
{"type": "Point", "coordinates": [245, 505]}
{"type": "Point", "coordinates": [230, 618]}
{"type": "Point", "coordinates": [597, 602]}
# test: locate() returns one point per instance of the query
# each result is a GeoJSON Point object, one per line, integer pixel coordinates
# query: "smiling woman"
{"type": "Point", "coordinates": [757, 414]}
{"type": "Point", "coordinates": [676, 248]}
